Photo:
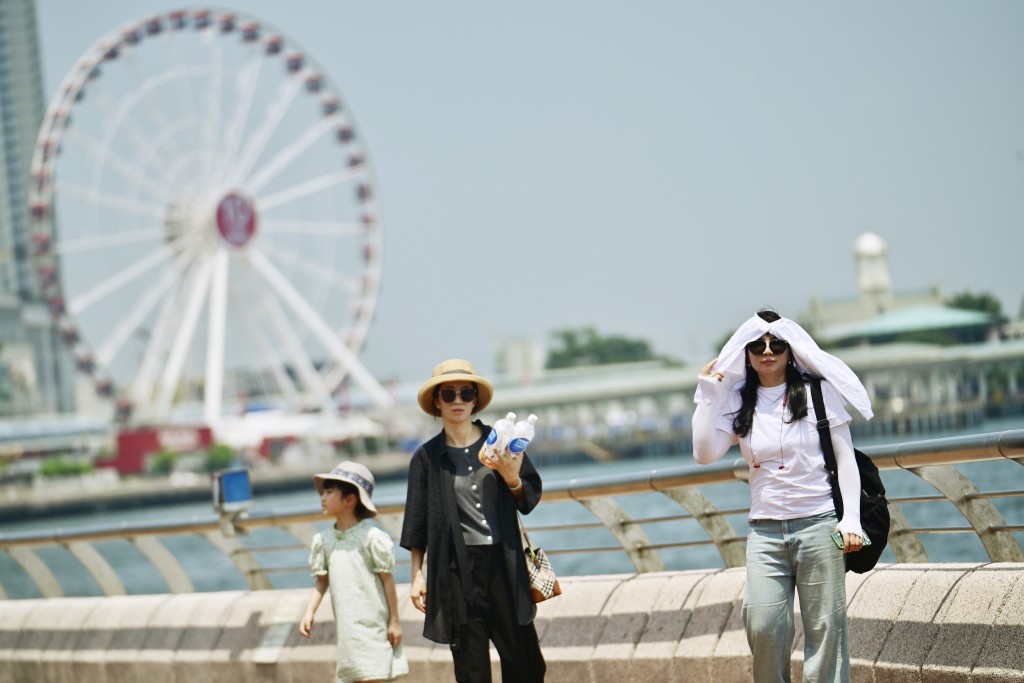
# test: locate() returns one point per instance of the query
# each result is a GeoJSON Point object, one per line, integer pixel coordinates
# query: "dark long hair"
{"type": "Point", "coordinates": [796, 392]}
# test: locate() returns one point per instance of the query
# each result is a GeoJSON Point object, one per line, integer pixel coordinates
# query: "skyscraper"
{"type": "Point", "coordinates": [36, 374]}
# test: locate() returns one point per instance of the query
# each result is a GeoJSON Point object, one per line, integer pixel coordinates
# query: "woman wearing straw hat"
{"type": "Point", "coordinates": [754, 394]}
{"type": "Point", "coordinates": [475, 589]}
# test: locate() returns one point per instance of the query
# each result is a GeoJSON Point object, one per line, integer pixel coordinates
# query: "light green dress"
{"type": "Point", "coordinates": [351, 560]}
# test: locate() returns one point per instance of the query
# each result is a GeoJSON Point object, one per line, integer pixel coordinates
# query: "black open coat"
{"type": "Point", "coordinates": [432, 524]}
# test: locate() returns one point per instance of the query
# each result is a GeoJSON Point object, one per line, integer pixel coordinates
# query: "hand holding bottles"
{"type": "Point", "coordinates": [522, 435]}
{"type": "Point", "coordinates": [497, 440]}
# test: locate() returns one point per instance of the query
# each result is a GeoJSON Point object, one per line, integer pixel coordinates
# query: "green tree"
{"type": "Point", "coordinates": [585, 346]}
{"type": "Point", "coordinates": [64, 467]}
{"type": "Point", "coordinates": [982, 301]}
{"type": "Point", "coordinates": [163, 462]}
{"type": "Point", "coordinates": [219, 457]}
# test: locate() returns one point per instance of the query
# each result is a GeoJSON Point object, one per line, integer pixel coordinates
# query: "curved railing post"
{"type": "Point", "coordinates": [1001, 546]}
{"type": "Point", "coordinates": [165, 562]}
{"type": "Point", "coordinates": [632, 538]}
{"type": "Point", "coordinates": [94, 563]}
{"type": "Point", "coordinates": [905, 544]}
{"type": "Point", "coordinates": [717, 527]}
{"type": "Point", "coordinates": [37, 570]}
{"type": "Point", "coordinates": [226, 539]}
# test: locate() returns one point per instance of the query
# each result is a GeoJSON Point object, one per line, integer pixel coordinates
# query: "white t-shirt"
{"type": "Point", "coordinates": [801, 487]}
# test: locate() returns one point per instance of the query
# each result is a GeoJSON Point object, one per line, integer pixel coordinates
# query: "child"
{"type": "Point", "coordinates": [356, 558]}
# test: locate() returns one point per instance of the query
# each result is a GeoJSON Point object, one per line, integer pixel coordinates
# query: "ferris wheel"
{"type": "Point", "coordinates": [205, 220]}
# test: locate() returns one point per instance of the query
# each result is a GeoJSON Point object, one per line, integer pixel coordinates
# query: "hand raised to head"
{"type": "Point", "coordinates": [707, 371]}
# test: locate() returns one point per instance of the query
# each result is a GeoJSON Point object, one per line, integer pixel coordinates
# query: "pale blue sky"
{"type": "Point", "coordinates": [655, 169]}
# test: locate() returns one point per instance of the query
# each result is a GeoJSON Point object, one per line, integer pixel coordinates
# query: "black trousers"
{"type": "Point", "coordinates": [492, 618]}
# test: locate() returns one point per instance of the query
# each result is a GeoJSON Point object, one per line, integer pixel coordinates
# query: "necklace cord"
{"type": "Point", "coordinates": [782, 428]}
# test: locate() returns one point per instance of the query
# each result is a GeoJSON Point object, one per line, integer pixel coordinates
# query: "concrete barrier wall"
{"type": "Point", "coordinates": [908, 623]}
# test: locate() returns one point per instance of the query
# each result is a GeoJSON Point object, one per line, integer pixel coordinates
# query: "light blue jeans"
{"type": "Point", "coordinates": [788, 555]}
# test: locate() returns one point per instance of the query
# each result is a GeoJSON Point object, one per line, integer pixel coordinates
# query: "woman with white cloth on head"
{"type": "Point", "coordinates": [754, 394]}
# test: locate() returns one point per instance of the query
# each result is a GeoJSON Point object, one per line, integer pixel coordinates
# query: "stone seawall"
{"type": "Point", "coordinates": [928, 622]}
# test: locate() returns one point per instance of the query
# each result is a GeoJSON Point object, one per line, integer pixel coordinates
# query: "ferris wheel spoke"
{"type": "Point", "coordinates": [143, 385]}
{"type": "Point", "coordinates": [258, 335]}
{"type": "Point", "coordinates": [133, 174]}
{"type": "Point", "coordinates": [186, 98]}
{"type": "Point", "coordinates": [245, 86]}
{"type": "Point", "coordinates": [116, 239]}
{"type": "Point", "coordinates": [115, 113]}
{"type": "Point", "coordinates": [320, 329]}
{"type": "Point", "coordinates": [289, 154]}
{"type": "Point", "coordinates": [163, 171]}
{"type": "Point", "coordinates": [177, 175]}
{"type": "Point", "coordinates": [142, 76]}
{"type": "Point", "coordinates": [111, 201]}
{"type": "Point", "coordinates": [118, 280]}
{"type": "Point", "coordinates": [130, 322]}
{"type": "Point", "coordinates": [182, 340]}
{"type": "Point", "coordinates": [335, 376]}
{"type": "Point", "coordinates": [286, 255]}
{"type": "Point", "coordinates": [272, 226]}
{"type": "Point", "coordinates": [304, 189]}
{"type": "Point", "coordinates": [275, 113]}
{"type": "Point", "coordinates": [213, 126]}
{"type": "Point", "coordinates": [118, 111]}
{"type": "Point", "coordinates": [293, 347]}
{"type": "Point", "coordinates": [213, 390]}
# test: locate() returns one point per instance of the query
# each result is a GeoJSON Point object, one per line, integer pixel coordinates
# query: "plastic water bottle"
{"type": "Point", "coordinates": [522, 435]}
{"type": "Point", "coordinates": [500, 435]}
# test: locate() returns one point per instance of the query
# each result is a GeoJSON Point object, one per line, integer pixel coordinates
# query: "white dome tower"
{"type": "Point", "coordinates": [872, 257]}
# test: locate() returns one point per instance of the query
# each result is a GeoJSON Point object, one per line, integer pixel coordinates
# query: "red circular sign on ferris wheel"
{"type": "Point", "coordinates": [236, 219]}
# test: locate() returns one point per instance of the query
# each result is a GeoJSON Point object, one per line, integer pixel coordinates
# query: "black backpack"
{"type": "Point", "coordinates": [874, 508]}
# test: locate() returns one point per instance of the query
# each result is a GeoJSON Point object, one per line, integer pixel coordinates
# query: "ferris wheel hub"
{"type": "Point", "coordinates": [236, 219]}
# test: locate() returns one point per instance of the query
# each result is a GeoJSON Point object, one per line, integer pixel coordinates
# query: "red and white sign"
{"type": "Point", "coordinates": [135, 445]}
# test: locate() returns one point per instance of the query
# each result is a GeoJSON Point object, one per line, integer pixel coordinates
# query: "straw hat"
{"type": "Point", "coordinates": [454, 370]}
{"type": "Point", "coordinates": [355, 474]}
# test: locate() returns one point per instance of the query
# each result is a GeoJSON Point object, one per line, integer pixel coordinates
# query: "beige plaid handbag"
{"type": "Point", "coordinates": [543, 582]}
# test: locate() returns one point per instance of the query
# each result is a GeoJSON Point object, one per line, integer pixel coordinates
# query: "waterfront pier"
{"type": "Point", "coordinates": [936, 623]}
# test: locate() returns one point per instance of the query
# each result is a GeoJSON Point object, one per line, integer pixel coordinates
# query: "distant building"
{"type": "Point", "coordinates": [520, 360]}
{"type": "Point", "coordinates": [875, 292]}
{"type": "Point", "coordinates": [941, 325]}
{"type": "Point", "coordinates": [880, 316]}
{"type": "Point", "coordinates": [36, 373]}
{"type": "Point", "coordinates": [926, 365]}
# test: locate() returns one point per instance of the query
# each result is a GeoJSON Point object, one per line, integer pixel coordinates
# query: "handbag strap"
{"type": "Point", "coordinates": [525, 538]}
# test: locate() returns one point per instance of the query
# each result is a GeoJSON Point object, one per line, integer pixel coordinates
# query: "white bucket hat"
{"type": "Point", "coordinates": [355, 474]}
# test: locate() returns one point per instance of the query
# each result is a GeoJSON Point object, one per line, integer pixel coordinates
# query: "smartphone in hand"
{"type": "Point", "coordinates": [837, 538]}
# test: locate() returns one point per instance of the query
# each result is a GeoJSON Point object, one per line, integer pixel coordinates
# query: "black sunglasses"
{"type": "Point", "coordinates": [778, 346]}
{"type": "Point", "coordinates": [467, 394]}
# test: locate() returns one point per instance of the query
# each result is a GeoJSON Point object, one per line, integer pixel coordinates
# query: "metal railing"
{"type": "Point", "coordinates": [682, 518]}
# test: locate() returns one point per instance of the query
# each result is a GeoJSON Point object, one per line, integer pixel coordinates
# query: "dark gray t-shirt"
{"type": "Point", "coordinates": [475, 495]}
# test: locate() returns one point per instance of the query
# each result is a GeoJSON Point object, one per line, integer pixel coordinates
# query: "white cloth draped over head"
{"type": "Point", "coordinates": [807, 355]}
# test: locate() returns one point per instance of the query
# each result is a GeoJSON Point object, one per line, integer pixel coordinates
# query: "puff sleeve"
{"type": "Point", "coordinates": [381, 550]}
{"type": "Point", "coordinates": [317, 557]}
